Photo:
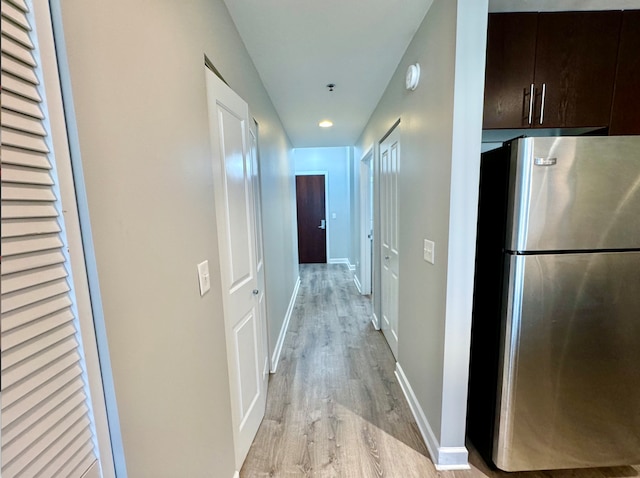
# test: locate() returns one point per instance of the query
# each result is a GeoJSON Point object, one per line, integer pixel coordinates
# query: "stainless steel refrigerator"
{"type": "Point", "coordinates": [555, 359]}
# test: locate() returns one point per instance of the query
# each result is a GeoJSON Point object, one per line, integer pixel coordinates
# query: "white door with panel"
{"type": "Point", "coordinates": [243, 300]}
{"type": "Point", "coordinates": [262, 298]}
{"type": "Point", "coordinates": [390, 255]}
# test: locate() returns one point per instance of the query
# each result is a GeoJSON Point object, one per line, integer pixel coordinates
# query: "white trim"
{"type": "Point", "coordinates": [375, 321]}
{"type": "Point", "coordinates": [444, 458]}
{"type": "Point", "coordinates": [236, 474]}
{"type": "Point", "coordinates": [326, 204]}
{"type": "Point", "coordinates": [285, 326]}
{"type": "Point", "coordinates": [117, 447]}
{"type": "Point", "coordinates": [357, 282]}
{"type": "Point", "coordinates": [351, 266]}
{"type": "Point", "coordinates": [339, 260]}
{"type": "Point", "coordinates": [366, 221]}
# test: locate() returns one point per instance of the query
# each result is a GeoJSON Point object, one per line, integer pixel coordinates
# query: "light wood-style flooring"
{"type": "Point", "coordinates": [335, 408]}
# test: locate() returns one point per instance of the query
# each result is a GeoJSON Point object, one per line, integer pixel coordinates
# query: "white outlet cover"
{"type": "Point", "coordinates": [203, 277]}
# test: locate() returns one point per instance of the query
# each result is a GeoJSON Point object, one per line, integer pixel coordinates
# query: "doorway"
{"type": "Point", "coordinates": [312, 223]}
{"type": "Point", "coordinates": [365, 272]}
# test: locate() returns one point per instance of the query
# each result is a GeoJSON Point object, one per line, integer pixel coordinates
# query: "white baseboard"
{"type": "Point", "coordinates": [352, 267]}
{"type": "Point", "coordinates": [236, 474]}
{"type": "Point", "coordinates": [285, 326]}
{"type": "Point", "coordinates": [339, 260]}
{"type": "Point", "coordinates": [358, 286]}
{"type": "Point", "coordinates": [444, 458]}
{"type": "Point", "coordinates": [375, 321]}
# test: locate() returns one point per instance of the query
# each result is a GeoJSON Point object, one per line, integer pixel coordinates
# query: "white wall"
{"type": "Point", "coordinates": [337, 163]}
{"type": "Point", "coordinates": [438, 181]}
{"type": "Point", "coordinates": [137, 78]}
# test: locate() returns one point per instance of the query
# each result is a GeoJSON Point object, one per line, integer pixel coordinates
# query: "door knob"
{"type": "Point", "coordinates": [323, 224]}
{"type": "Point", "coordinates": [256, 291]}
{"type": "Point", "coordinates": [386, 258]}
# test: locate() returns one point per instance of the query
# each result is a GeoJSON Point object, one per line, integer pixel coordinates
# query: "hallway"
{"type": "Point", "coordinates": [335, 408]}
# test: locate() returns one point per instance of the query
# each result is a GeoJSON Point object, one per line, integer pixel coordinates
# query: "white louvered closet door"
{"type": "Point", "coordinates": [47, 428]}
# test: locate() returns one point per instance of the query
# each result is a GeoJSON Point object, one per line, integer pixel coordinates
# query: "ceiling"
{"type": "Point", "coordinates": [298, 47]}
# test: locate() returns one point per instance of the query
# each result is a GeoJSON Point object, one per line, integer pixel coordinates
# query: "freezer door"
{"type": "Point", "coordinates": [569, 386]}
{"type": "Point", "coordinates": [574, 193]}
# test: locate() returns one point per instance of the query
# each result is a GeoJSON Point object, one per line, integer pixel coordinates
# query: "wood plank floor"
{"type": "Point", "coordinates": [334, 407]}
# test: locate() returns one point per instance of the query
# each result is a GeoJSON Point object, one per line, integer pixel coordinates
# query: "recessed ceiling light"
{"type": "Point", "coordinates": [325, 124]}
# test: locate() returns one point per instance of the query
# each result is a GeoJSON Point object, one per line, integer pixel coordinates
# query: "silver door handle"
{"type": "Point", "coordinates": [256, 291]}
{"type": "Point", "coordinates": [544, 95]}
{"type": "Point", "coordinates": [323, 224]}
{"type": "Point", "coordinates": [531, 95]}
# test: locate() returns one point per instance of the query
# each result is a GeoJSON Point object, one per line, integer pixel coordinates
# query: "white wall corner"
{"type": "Point", "coordinates": [285, 326]}
{"type": "Point", "coordinates": [444, 458]}
{"type": "Point", "coordinates": [375, 321]}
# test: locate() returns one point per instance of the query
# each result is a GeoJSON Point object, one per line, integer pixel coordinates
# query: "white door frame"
{"type": "Point", "coordinates": [366, 221]}
{"type": "Point", "coordinates": [326, 204]}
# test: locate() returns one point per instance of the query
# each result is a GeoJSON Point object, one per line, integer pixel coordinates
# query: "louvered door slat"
{"type": "Point", "coordinates": [39, 310]}
{"type": "Point", "coordinates": [28, 335]}
{"type": "Point", "coordinates": [22, 157]}
{"type": "Point", "coordinates": [83, 459]}
{"type": "Point", "coordinates": [21, 192]}
{"type": "Point", "coordinates": [14, 102]}
{"type": "Point", "coordinates": [22, 122]}
{"type": "Point", "coordinates": [45, 413]}
{"type": "Point", "coordinates": [16, 50]}
{"type": "Point", "coordinates": [42, 410]}
{"type": "Point", "coordinates": [39, 226]}
{"type": "Point", "coordinates": [13, 448]}
{"type": "Point", "coordinates": [63, 447]}
{"type": "Point", "coordinates": [31, 278]}
{"type": "Point", "coordinates": [20, 87]}
{"type": "Point", "coordinates": [23, 140]}
{"type": "Point", "coordinates": [33, 294]}
{"type": "Point", "coordinates": [19, 245]}
{"type": "Point", "coordinates": [28, 464]}
{"type": "Point", "coordinates": [14, 413]}
{"type": "Point", "coordinates": [16, 15]}
{"type": "Point", "coordinates": [15, 32]}
{"type": "Point", "coordinates": [19, 174]}
{"type": "Point", "coordinates": [25, 262]}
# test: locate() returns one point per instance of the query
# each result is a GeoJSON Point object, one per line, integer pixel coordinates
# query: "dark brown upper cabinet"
{"type": "Point", "coordinates": [550, 70]}
{"type": "Point", "coordinates": [511, 53]}
{"type": "Point", "coordinates": [625, 113]}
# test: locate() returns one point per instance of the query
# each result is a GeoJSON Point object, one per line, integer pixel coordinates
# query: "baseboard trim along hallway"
{"type": "Point", "coordinates": [444, 458]}
{"type": "Point", "coordinates": [285, 326]}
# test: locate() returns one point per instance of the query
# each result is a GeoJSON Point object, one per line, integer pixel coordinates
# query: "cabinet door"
{"type": "Point", "coordinates": [625, 115]}
{"type": "Point", "coordinates": [575, 68]}
{"type": "Point", "coordinates": [511, 45]}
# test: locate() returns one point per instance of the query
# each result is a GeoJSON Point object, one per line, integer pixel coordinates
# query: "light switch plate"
{"type": "Point", "coordinates": [203, 277]}
{"type": "Point", "coordinates": [429, 251]}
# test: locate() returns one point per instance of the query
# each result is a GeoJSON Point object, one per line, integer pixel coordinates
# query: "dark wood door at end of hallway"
{"type": "Point", "coordinates": [312, 233]}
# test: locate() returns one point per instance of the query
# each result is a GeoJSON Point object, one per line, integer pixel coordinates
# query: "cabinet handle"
{"type": "Point", "coordinates": [531, 95]}
{"type": "Point", "coordinates": [544, 95]}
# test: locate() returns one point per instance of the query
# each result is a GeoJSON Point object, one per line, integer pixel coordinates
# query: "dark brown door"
{"type": "Point", "coordinates": [312, 232]}
{"type": "Point", "coordinates": [575, 68]}
{"type": "Point", "coordinates": [625, 115]}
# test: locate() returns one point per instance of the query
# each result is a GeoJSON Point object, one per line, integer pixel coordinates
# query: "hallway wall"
{"type": "Point", "coordinates": [138, 81]}
{"type": "Point", "coordinates": [438, 184]}
{"type": "Point", "coordinates": [336, 162]}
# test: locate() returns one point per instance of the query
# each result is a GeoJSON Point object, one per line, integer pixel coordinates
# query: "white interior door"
{"type": "Point", "coordinates": [389, 167]}
{"type": "Point", "coordinates": [233, 178]}
{"type": "Point", "coordinates": [262, 297]}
